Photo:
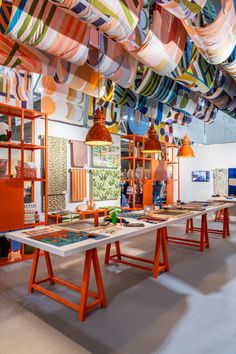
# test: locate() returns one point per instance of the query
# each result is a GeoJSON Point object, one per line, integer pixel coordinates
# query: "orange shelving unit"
{"type": "Point", "coordinates": [169, 167]}
{"type": "Point", "coordinates": [12, 187]}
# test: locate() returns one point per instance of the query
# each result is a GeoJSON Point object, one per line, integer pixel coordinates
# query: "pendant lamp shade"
{"type": "Point", "coordinates": [98, 134]}
{"type": "Point", "coordinates": [185, 150]}
{"type": "Point", "coordinates": [152, 145]}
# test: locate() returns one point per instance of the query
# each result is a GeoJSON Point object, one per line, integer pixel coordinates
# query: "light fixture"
{"type": "Point", "coordinates": [152, 145]}
{"type": "Point", "coordinates": [98, 134]}
{"type": "Point", "coordinates": [185, 150]}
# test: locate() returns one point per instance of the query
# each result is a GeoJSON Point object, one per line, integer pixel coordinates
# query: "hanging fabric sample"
{"type": "Point", "coordinates": [220, 182]}
{"type": "Point", "coordinates": [78, 185]}
{"type": "Point", "coordinates": [15, 86]}
{"type": "Point", "coordinates": [79, 153]}
{"type": "Point", "coordinates": [182, 9]}
{"type": "Point", "coordinates": [217, 39]}
{"type": "Point", "coordinates": [164, 132]}
{"type": "Point", "coordinates": [205, 111]}
{"type": "Point", "coordinates": [230, 64]}
{"type": "Point", "coordinates": [40, 24]}
{"type": "Point", "coordinates": [56, 202]}
{"type": "Point", "coordinates": [232, 181]}
{"type": "Point", "coordinates": [106, 156]}
{"type": "Point", "coordinates": [105, 184]}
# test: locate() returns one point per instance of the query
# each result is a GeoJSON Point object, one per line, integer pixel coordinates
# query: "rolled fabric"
{"type": "Point", "coordinates": [163, 46]}
{"type": "Point", "coordinates": [111, 59]}
{"type": "Point", "coordinates": [15, 55]}
{"type": "Point", "coordinates": [185, 100]}
{"type": "Point", "coordinates": [216, 40]}
{"type": "Point", "coordinates": [43, 25]}
{"type": "Point", "coordinates": [230, 64]}
{"type": "Point", "coordinates": [194, 71]}
{"type": "Point", "coordinates": [117, 19]}
{"type": "Point", "coordinates": [182, 9]}
{"type": "Point", "coordinates": [205, 111]}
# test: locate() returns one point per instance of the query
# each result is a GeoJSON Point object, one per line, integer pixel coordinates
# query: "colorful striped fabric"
{"type": "Point", "coordinates": [117, 19]}
{"type": "Point", "coordinates": [43, 25]}
{"type": "Point", "coordinates": [163, 47]}
{"type": "Point", "coordinates": [182, 9]}
{"type": "Point", "coordinates": [230, 64]}
{"type": "Point", "coordinates": [216, 40]}
{"type": "Point", "coordinates": [194, 71]}
{"type": "Point", "coordinates": [206, 111]}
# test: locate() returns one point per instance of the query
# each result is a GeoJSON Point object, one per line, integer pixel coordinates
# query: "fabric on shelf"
{"type": "Point", "coordinates": [78, 185]}
{"type": "Point", "coordinates": [232, 181]}
{"type": "Point", "coordinates": [216, 40]}
{"type": "Point", "coordinates": [163, 46]}
{"type": "Point", "coordinates": [40, 24]}
{"type": "Point", "coordinates": [220, 182]}
{"type": "Point", "coordinates": [79, 153]}
{"type": "Point", "coordinates": [105, 184]}
{"type": "Point", "coordinates": [117, 19]}
{"type": "Point", "coordinates": [182, 9]}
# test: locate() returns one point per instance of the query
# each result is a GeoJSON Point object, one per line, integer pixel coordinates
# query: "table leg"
{"type": "Point", "coordinates": [98, 277]}
{"type": "Point", "coordinates": [107, 255]}
{"type": "Point", "coordinates": [160, 245]}
{"type": "Point", "coordinates": [226, 223]}
{"type": "Point", "coordinates": [33, 270]}
{"type": "Point", "coordinates": [85, 284]}
{"type": "Point", "coordinates": [49, 267]}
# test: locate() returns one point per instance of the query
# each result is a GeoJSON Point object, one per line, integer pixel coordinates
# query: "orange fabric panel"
{"type": "Point", "coordinates": [78, 185]}
{"type": "Point", "coordinates": [11, 204]}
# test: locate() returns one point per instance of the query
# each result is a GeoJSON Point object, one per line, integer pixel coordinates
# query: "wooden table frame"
{"type": "Point", "coordinates": [91, 257]}
{"type": "Point", "coordinates": [157, 267]}
{"type": "Point", "coordinates": [224, 232]}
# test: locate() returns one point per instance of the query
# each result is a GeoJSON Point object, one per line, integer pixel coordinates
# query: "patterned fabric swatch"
{"type": "Point", "coordinates": [164, 132]}
{"type": "Point", "coordinates": [106, 156]}
{"type": "Point", "coordinates": [79, 153]}
{"type": "Point", "coordinates": [232, 181]}
{"type": "Point", "coordinates": [78, 185]}
{"type": "Point", "coordinates": [105, 184]}
{"type": "Point", "coordinates": [56, 202]}
{"type": "Point", "coordinates": [182, 9]}
{"type": "Point", "coordinates": [220, 182]}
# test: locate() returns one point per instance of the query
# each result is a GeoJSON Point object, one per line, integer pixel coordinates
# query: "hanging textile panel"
{"type": "Point", "coordinates": [40, 24]}
{"type": "Point", "coordinates": [164, 132]}
{"type": "Point", "coordinates": [220, 182]}
{"type": "Point", "coordinates": [61, 102]}
{"type": "Point", "coordinates": [230, 64]}
{"type": "Point", "coordinates": [182, 9]}
{"type": "Point", "coordinates": [163, 46]}
{"type": "Point", "coordinates": [105, 184]}
{"type": "Point", "coordinates": [78, 185]}
{"type": "Point", "coordinates": [106, 156]}
{"type": "Point", "coordinates": [111, 60]}
{"type": "Point", "coordinates": [56, 202]}
{"type": "Point", "coordinates": [117, 19]}
{"type": "Point", "coordinates": [15, 87]}
{"type": "Point", "coordinates": [79, 153]}
{"type": "Point", "coordinates": [232, 181]}
{"type": "Point", "coordinates": [216, 40]}
{"type": "Point", "coordinates": [57, 165]}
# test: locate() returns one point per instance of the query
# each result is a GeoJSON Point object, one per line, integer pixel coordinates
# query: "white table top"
{"type": "Point", "coordinates": [223, 199]}
{"type": "Point", "coordinates": [122, 233]}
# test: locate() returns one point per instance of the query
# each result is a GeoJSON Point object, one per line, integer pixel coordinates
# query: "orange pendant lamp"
{"type": "Point", "coordinates": [152, 145]}
{"type": "Point", "coordinates": [185, 150]}
{"type": "Point", "coordinates": [98, 134]}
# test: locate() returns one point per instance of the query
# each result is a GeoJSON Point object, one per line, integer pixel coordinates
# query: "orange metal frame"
{"type": "Point", "coordinates": [157, 266]}
{"type": "Point", "coordinates": [224, 232]}
{"type": "Point", "coordinates": [91, 257]}
{"type": "Point", "coordinates": [202, 243]}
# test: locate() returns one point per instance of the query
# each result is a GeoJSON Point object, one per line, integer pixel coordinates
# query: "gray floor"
{"type": "Point", "coordinates": [191, 310]}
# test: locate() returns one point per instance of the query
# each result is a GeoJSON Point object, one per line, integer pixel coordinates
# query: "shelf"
{"type": "Point", "coordinates": [29, 226]}
{"type": "Point", "coordinates": [172, 163]}
{"type": "Point", "coordinates": [137, 158]}
{"type": "Point", "coordinates": [19, 112]}
{"type": "Point", "coordinates": [25, 179]}
{"type": "Point", "coordinates": [19, 146]}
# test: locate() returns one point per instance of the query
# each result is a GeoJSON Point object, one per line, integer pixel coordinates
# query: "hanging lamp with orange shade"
{"type": "Point", "coordinates": [186, 150]}
{"type": "Point", "coordinates": [152, 145]}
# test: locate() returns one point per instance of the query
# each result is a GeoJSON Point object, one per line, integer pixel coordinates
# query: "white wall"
{"type": "Point", "coordinates": [208, 157]}
{"type": "Point", "coordinates": [68, 131]}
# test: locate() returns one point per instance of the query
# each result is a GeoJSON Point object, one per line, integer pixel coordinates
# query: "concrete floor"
{"type": "Point", "coordinates": [192, 309]}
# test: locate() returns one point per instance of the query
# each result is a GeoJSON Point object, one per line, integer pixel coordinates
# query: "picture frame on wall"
{"type": "Point", "coordinates": [200, 176]}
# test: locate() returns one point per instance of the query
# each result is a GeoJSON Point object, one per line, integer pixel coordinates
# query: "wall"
{"type": "Point", "coordinates": [208, 157]}
{"type": "Point", "coordinates": [70, 132]}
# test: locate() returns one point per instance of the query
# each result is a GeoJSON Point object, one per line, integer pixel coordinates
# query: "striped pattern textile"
{"type": "Point", "coordinates": [78, 185]}
{"type": "Point", "coordinates": [5, 14]}
{"type": "Point", "coordinates": [216, 40]}
{"type": "Point", "coordinates": [182, 9]}
{"type": "Point", "coordinates": [117, 19]}
{"type": "Point", "coordinates": [40, 24]}
{"type": "Point", "coordinates": [205, 111]}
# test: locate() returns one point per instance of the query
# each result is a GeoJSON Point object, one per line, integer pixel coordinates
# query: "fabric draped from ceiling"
{"type": "Point", "coordinates": [40, 24]}
{"type": "Point", "coordinates": [182, 9]}
{"type": "Point", "coordinates": [163, 46]}
{"type": "Point", "coordinates": [216, 40]}
{"type": "Point", "coordinates": [118, 19]}
{"type": "Point", "coordinates": [230, 64]}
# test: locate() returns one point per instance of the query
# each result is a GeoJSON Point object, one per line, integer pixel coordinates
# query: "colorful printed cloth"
{"type": "Point", "coordinates": [164, 132]}
{"type": "Point", "coordinates": [182, 9]}
{"type": "Point", "coordinates": [105, 184]}
{"type": "Point", "coordinates": [40, 24]}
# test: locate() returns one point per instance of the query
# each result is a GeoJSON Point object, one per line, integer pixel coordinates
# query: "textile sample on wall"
{"type": "Point", "coordinates": [106, 156]}
{"type": "Point", "coordinates": [15, 87]}
{"type": "Point", "coordinates": [78, 185]}
{"type": "Point", "coordinates": [105, 184]}
{"type": "Point", "coordinates": [220, 182]}
{"type": "Point", "coordinates": [232, 181]}
{"type": "Point", "coordinates": [61, 102]}
{"type": "Point", "coordinates": [79, 153]}
{"type": "Point", "coordinates": [56, 202]}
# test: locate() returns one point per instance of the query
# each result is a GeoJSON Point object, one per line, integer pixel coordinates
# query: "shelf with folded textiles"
{"type": "Point", "coordinates": [17, 181]}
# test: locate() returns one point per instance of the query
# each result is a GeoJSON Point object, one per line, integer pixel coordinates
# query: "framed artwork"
{"type": "Point", "coordinates": [200, 176]}
{"type": "Point", "coordinates": [106, 157]}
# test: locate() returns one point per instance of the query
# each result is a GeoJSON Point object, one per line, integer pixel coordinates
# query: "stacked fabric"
{"type": "Point", "coordinates": [29, 213]}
